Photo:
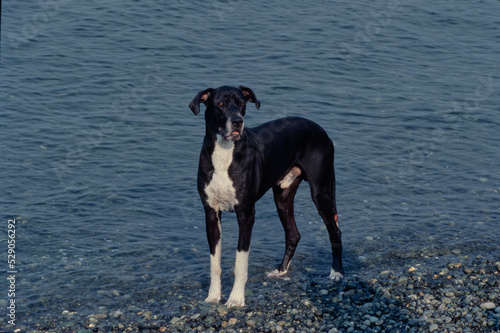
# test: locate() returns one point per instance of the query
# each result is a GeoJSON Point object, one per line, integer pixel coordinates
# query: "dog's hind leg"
{"type": "Point", "coordinates": [323, 195]}
{"type": "Point", "coordinates": [321, 177]}
{"type": "Point", "coordinates": [284, 194]}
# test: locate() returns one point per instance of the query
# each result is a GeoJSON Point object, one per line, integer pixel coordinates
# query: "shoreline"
{"type": "Point", "coordinates": [416, 295]}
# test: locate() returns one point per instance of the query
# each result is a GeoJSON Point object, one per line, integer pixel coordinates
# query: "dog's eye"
{"type": "Point", "coordinates": [221, 104]}
{"type": "Point", "coordinates": [242, 103]}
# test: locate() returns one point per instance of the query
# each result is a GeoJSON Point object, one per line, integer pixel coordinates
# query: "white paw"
{"type": "Point", "coordinates": [235, 302]}
{"type": "Point", "coordinates": [276, 273]}
{"type": "Point", "coordinates": [212, 299]}
{"type": "Point", "coordinates": [335, 276]}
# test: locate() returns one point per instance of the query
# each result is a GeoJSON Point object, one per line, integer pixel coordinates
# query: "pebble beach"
{"type": "Point", "coordinates": [461, 295]}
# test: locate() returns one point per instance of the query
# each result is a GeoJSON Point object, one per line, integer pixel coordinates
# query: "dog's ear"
{"type": "Point", "coordinates": [202, 97]}
{"type": "Point", "coordinates": [250, 96]}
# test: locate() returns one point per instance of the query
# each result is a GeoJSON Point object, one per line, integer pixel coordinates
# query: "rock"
{"type": "Point", "coordinates": [492, 281]}
{"type": "Point", "coordinates": [446, 300]}
{"type": "Point", "coordinates": [222, 310]}
{"type": "Point", "coordinates": [468, 270]}
{"type": "Point", "coordinates": [318, 313]}
{"type": "Point", "coordinates": [488, 306]}
{"type": "Point", "coordinates": [147, 314]}
{"type": "Point", "coordinates": [117, 314]}
{"type": "Point", "coordinates": [455, 265]}
{"type": "Point", "coordinates": [414, 322]}
{"type": "Point", "coordinates": [433, 327]}
{"type": "Point", "coordinates": [250, 323]}
{"type": "Point", "coordinates": [209, 320]}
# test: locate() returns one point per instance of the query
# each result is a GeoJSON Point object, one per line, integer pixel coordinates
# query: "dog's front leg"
{"type": "Point", "coordinates": [213, 226]}
{"type": "Point", "coordinates": [246, 218]}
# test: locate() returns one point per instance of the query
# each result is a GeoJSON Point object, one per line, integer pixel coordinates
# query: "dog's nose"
{"type": "Point", "coordinates": [237, 122]}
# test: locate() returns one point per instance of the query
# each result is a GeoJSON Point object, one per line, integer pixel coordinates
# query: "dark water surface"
{"type": "Point", "coordinates": [99, 150]}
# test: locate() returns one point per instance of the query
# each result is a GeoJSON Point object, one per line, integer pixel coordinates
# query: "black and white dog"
{"type": "Point", "coordinates": [238, 165]}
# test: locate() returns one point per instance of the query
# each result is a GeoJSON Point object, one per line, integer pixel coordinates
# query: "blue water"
{"type": "Point", "coordinates": [99, 150]}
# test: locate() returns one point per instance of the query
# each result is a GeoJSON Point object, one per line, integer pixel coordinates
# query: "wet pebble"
{"type": "Point", "coordinates": [433, 327]}
{"type": "Point", "coordinates": [488, 305]}
{"type": "Point", "coordinates": [222, 310]}
{"type": "Point", "coordinates": [117, 314]}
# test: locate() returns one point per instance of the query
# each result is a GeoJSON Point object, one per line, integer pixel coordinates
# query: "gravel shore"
{"type": "Point", "coordinates": [453, 296]}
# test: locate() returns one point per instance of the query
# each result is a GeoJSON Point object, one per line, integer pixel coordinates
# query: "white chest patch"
{"type": "Point", "coordinates": [221, 194]}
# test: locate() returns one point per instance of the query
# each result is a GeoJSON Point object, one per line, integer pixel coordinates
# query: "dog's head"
{"type": "Point", "coordinates": [226, 108]}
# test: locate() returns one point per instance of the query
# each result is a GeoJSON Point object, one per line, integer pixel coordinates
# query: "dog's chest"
{"type": "Point", "coordinates": [221, 194]}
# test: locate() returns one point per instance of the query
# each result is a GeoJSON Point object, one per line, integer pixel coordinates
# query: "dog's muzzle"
{"type": "Point", "coordinates": [233, 130]}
